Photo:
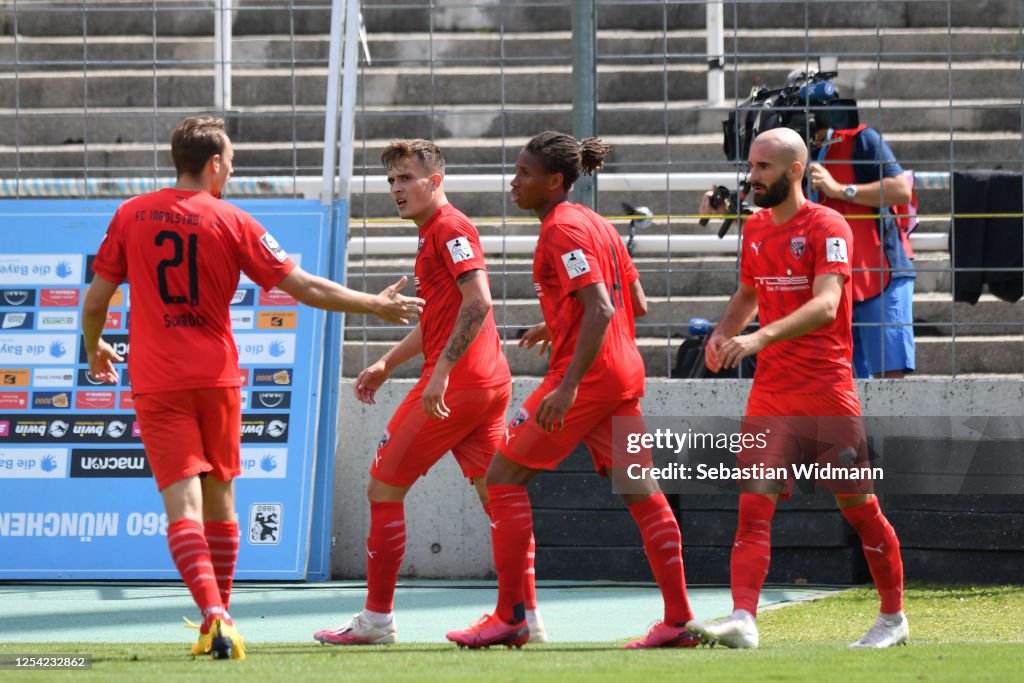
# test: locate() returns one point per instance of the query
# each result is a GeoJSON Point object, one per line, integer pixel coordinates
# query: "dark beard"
{"type": "Point", "coordinates": [774, 194]}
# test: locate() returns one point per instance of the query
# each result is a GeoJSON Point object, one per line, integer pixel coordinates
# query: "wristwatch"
{"type": "Point", "coordinates": [850, 191]}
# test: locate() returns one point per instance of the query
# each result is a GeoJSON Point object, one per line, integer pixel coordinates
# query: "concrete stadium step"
{"type": "Point", "coordinates": [680, 276]}
{"type": "Point", "coordinates": [451, 48]}
{"type": "Point", "coordinates": [667, 317]}
{"type": "Point", "coordinates": [58, 125]}
{"type": "Point", "coordinates": [533, 84]}
{"type": "Point", "coordinates": [194, 17]}
{"type": "Point", "coordinates": [1001, 355]}
{"type": "Point", "coordinates": [631, 154]}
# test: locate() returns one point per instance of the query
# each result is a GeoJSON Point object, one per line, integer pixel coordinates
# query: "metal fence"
{"type": "Point", "coordinates": [90, 91]}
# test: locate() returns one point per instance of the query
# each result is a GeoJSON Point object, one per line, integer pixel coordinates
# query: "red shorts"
{"type": "Point", "coordinates": [589, 420]}
{"type": "Point", "coordinates": [799, 430]}
{"type": "Point", "coordinates": [189, 432]}
{"type": "Point", "coordinates": [413, 441]}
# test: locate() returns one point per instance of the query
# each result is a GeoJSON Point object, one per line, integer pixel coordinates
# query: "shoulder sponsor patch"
{"type": "Point", "coordinates": [273, 247]}
{"type": "Point", "coordinates": [835, 250]}
{"type": "Point", "coordinates": [575, 263]}
{"type": "Point", "coordinates": [460, 249]}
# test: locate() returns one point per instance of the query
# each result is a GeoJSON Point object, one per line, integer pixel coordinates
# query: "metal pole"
{"type": "Point", "coordinates": [222, 30]}
{"type": "Point", "coordinates": [584, 74]}
{"type": "Point", "coordinates": [348, 99]}
{"type": "Point", "coordinates": [331, 114]}
{"type": "Point", "coordinates": [716, 52]}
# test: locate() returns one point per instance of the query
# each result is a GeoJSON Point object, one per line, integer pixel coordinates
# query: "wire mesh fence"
{"type": "Point", "coordinates": [90, 91]}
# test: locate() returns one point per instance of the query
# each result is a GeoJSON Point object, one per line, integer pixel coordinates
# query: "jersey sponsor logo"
{"type": "Point", "coordinates": [384, 438]}
{"type": "Point", "coordinates": [59, 297]}
{"type": "Point", "coordinates": [51, 400]}
{"type": "Point", "coordinates": [264, 463]}
{"type": "Point", "coordinates": [95, 400]}
{"type": "Point", "coordinates": [58, 320]}
{"type": "Point", "coordinates": [272, 399]}
{"type": "Point", "coordinates": [797, 245]}
{"type": "Point", "coordinates": [33, 463]}
{"type": "Point", "coordinates": [273, 247]}
{"type": "Point", "coordinates": [109, 464]}
{"type": "Point", "coordinates": [277, 320]}
{"type": "Point", "coordinates": [538, 289]}
{"type": "Point", "coordinates": [419, 245]}
{"type": "Point", "coordinates": [281, 377]}
{"type": "Point", "coordinates": [17, 297]}
{"type": "Point", "coordinates": [575, 263]}
{"type": "Point", "coordinates": [243, 296]}
{"type": "Point", "coordinates": [783, 283]}
{"type": "Point", "coordinates": [835, 250]}
{"type": "Point", "coordinates": [265, 523]}
{"type": "Point", "coordinates": [14, 377]}
{"type": "Point", "coordinates": [40, 269]}
{"type": "Point", "coordinates": [13, 400]}
{"type": "Point", "coordinates": [277, 297]}
{"type": "Point", "coordinates": [460, 249]}
{"type": "Point", "coordinates": [53, 377]}
{"type": "Point", "coordinates": [16, 321]}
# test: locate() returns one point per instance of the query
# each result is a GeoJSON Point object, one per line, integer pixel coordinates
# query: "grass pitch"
{"type": "Point", "coordinates": [957, 633]}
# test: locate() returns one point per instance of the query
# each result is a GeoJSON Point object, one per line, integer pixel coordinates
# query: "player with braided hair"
{"type": "Point", "coordinates": [589, 293]}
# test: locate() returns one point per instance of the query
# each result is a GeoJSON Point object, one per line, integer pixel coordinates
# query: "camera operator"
{"type": "Point", "coordinates": [856, 174]}
{"type": "Point", "coordinates": [853, 171]}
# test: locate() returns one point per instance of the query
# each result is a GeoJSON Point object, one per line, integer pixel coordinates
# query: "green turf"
{"type": "Point", "coordinates": [958, 633]}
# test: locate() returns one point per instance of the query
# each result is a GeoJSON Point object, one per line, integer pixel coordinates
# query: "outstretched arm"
{"type": "Point", "coordinates": [320, 292]}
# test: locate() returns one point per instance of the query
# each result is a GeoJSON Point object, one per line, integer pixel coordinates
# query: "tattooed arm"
{"type": "Point", "coordinates": [476, 303]}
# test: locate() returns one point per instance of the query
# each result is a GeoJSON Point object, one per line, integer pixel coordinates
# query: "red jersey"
{"type": "Point", "coordinates": [782, 261]}
{"type": "Point", "coordinates": [181, 253]}
{"type": "Point", "coordinates": [576, 248]}
{"type": "Point", "coordinates": [450, 246]}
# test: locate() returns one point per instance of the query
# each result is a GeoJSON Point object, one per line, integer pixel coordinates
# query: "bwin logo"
{"type": "Point", "coordinates": [268, 464]}
{"type": "Point", "coordinates": [277, 428]}
{"type": "Point", "coordinates": [276, 349]}
{"type": "Point", "coordinates": [58, 428]}
{"type": "Point", "coordinates": [116, 429]}
{"type": "Point", "coordinates": [48, 464]}
{"type": "Point", "coordinates": [63, 269]}
{"type": "Point", "coordinates": [57, 349]}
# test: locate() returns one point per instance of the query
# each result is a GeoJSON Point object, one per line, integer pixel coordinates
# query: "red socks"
{"type": "Point", "coordinates": [191, 556]}
{"type": "Point", "coordinates": [663, 545]}
{"type": "Point", "coordinates": [511, 535]}
{"type": "Point", "coordinates": [385, 548]}
{"type": "Point", "coordinates": [882, 551]}
{"type": "Point", "coordinates": [752, 551]}
{"type": "Point", "coordinates": [222, 538]}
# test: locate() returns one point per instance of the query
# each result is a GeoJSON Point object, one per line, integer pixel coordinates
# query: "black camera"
{"type": "Point", "coordinates": [733, 201]}
{"type": "Point", "coordinates": [807, 103]}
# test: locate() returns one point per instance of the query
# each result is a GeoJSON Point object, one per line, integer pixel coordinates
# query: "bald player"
{"type": "Point", "coordinates": [795, 276]}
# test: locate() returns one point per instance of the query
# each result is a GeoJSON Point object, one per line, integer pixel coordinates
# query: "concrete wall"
{"type": "Point", "coordinates": [448, 534]}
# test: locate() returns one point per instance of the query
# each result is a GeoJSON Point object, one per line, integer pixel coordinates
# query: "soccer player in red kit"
{"type": "Point", "coordinates": [181, 250]}
{"type": "Point", "coordinates": [795, 275]}
{"type": "Point", "coordinates": [461, 400]}
{"type": "Point", "coordinates": [589, 293]}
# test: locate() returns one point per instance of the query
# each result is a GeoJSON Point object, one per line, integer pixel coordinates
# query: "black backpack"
{"type": "Point", "coordinates": [690, 361]}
